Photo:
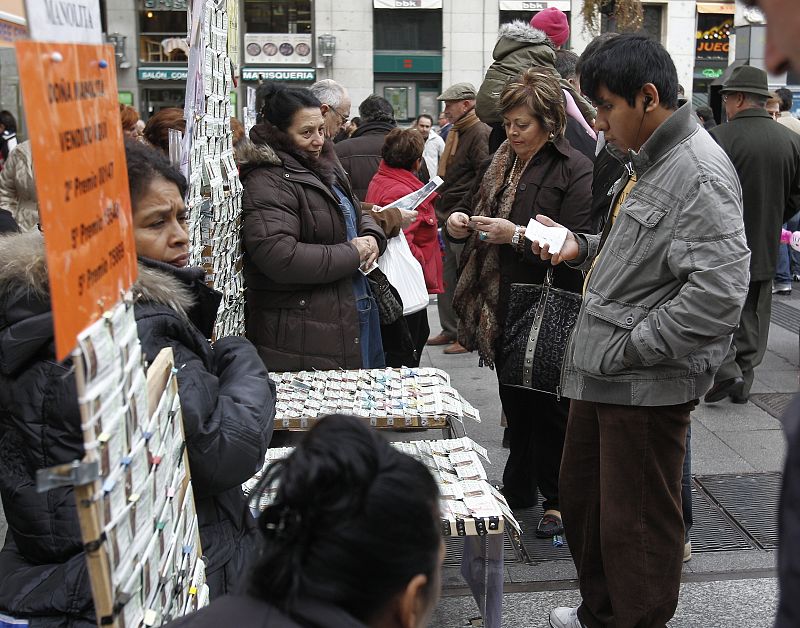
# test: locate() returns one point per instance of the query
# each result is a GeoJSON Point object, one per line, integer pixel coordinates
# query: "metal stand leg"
{"type": "Point", "coordinates": [482, 567]}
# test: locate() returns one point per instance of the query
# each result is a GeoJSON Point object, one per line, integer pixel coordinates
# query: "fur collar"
{"type": "Point", "coordinates": [271, 147]}
{"type": "Point", "coordinates": [23, 265]}
{"type": "Point", "coordinates": [523, 32]}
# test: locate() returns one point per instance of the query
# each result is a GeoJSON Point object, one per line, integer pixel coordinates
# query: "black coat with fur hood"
{"type": "Point", "coordinates": [298, 263]}
{"type": "Point", "coordinates": [228, 411]}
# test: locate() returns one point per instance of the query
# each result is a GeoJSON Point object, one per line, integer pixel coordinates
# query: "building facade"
{"type": "Point", "coordinates": [404, 50]}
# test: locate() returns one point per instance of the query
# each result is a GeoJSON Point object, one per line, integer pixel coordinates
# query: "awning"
{"type": "Point", "coordinates": [531, 5]}
{"type": "Point", "coordinates": [406, 4]}
{"type": "Point", "coordinates": [725, 8]}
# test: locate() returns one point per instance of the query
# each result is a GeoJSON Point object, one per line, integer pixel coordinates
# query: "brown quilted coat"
{"type": "Point", "coordinates": [298, 263]}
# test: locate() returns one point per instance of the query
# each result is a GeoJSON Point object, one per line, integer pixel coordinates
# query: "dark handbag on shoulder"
{"type": "Point", "coordinates": [390, 305]}
{"type": "Point", "coordinates": [537, 328]}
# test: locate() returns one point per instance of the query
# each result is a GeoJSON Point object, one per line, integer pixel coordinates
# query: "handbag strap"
{"type": "Point", "coordinates": [536, 327]}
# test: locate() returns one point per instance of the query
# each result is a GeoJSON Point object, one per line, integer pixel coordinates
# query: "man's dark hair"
{"type": "Point", "coordinates": [625, 64]}
{"type": "Point", "coordinates": [566, 61]}
{"type": "Point", "coordinates": [146, 163]}
{"type": "Point", "coordinates": [592, 48]}
{"type": "Point", "coordinates": [705, 112]}
{"type": "Point", "coordinates": [424, 115]}
{"type": "Point", "coordinates": [787, 98]}
{"type": "Point", "coordinates": [376, 109]}
{"type": "Point", "coordinates": [281, 103]}
{"type": "Point", "coordinates": [338, 530]}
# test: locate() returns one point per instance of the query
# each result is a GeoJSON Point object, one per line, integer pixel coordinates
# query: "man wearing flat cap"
{"type": "Point", "coordinates": [466, 148]}
{"type": "Point", "coordinates": [766, 156]}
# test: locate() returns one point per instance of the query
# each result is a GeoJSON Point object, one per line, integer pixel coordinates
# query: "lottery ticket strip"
{"type": "Point", "coordinates": [137, 513]}
{"type": "Point", "coordinates": [214, 199]}
{"type": "Point", "coordinates": [392, 398]}
{"type": "Point", "coordinates": [470, 508]}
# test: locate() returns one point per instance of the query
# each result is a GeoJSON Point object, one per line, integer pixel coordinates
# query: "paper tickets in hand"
{"type": "Point", "coordinates": [554, 236]}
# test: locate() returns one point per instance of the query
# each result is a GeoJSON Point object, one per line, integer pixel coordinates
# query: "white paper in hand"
{"type": "Point", "coordinates": [554, 236]}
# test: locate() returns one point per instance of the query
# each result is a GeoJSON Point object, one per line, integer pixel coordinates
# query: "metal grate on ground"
{"type": "Point", "coordinates": [751, 500]}
{"type": "Point", "coordinates": [775, 404]}
{"type": "Point", "coordinates": [539, 549]}
{"type": "Point", "coordinates": [712, 530]}
{"type": "Point", "coordinates": [786, 316]}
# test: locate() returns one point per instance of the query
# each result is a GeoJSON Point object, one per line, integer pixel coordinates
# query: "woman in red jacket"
{"type": "Point", "coordinates": [402, 155]}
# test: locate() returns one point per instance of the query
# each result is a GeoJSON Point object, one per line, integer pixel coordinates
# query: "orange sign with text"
{"type": "Point", "coordinates": [71, 105]}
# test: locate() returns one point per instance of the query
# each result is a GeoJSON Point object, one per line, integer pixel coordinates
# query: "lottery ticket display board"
{"type": "Point", "coordinates": [470, 506]}
{"type": "Point", "coordinates": [143, 502]}
{"type": "Point", "coordinates": [388, 398]}
{"type": "Point", "coordinates": [71, 104]}
{"type": "Point", "coordinates": [214, 198]}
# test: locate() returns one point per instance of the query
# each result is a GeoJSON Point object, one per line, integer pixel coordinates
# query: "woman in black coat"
{"type": "Point", "coordinates": [227, 403]}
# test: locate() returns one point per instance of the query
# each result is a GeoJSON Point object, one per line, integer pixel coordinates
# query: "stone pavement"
{"type": "Point", "coordinates": [720, 588]}
{"type": "Point", "coordinates": [725, 588]}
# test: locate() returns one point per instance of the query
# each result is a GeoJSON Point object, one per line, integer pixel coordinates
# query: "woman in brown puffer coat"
{"type": "Point", "coordinates": [305, 238]}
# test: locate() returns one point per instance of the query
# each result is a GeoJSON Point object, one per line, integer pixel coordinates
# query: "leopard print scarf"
{"type": "Point", "coordinates": [477, 293]}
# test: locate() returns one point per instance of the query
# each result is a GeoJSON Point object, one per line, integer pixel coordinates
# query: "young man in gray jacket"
{"type": "Point", "coordinates": [662, 297]}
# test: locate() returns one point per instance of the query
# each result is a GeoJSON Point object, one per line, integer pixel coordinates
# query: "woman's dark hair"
{"type": "Point", "coordinates": [352, 522]}
{"type": "Point", "coordinates": [7, 120]}
{"type": "Point", "coordinates": [624, 64]}
{"type": "Point", "coordinates": [145, 164]}
{"type": "Point", "coordinates": [129, 117]}
{"type": "Point", "coordinates": [356, 121]}
{"type": "Point", "coordinates": [156, 131]}
{"type": "Point", "coordinates": [402, 148]}
{"type": "Point", "coordinates": [281, 103]}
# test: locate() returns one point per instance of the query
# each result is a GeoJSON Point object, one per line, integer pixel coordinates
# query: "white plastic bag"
{"type": "Point", "coordinates": [405, 274]}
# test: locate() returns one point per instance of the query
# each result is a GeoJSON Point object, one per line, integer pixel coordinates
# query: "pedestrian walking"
{"type": "Point", "coordinates": [767, 160]}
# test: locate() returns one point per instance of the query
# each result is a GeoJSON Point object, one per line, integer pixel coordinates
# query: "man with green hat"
{"type": "Point", "coordinates": [766, 156]}
{"type": "Point", "coordinates": [466, 148]}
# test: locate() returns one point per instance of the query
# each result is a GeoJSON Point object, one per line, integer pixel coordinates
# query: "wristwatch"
{"type": "Point", "coordinates": [517, 235]}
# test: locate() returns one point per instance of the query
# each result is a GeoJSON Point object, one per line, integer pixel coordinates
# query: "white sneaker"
{"type": "Point", "coordinates": [565, 617]}
{"type": "Point", "coordinates": [687, 551]}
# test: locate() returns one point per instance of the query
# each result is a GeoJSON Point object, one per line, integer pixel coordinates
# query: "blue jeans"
{"type": "Point", "coordinates": [686, 487]}
{"type": "Point", "coordinates": [369, 321]}
{"type": "Point", "coordinates": [788, 259]}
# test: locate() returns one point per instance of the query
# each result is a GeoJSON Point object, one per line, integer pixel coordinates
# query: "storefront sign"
{"type": "Point", "coordinates": [277, 48]}
{"type": "Point", "coordinates": [12, 28]}
{"type": "Point", "coordinates": [71, 104]}
{"type": "Point", "coordinates": [716, 7]}
{"type": "Point", "coordinates": [163, 74]}
{"type": "Point", "coordinates": [165, 5]}
{"type": "Point", "coordinates": [713, 37]}
{"type": "Point", "coordinates": [406, 4]}
{"type": "Point", "coordinates": [279, 74]}
{"type": "Point", "coordinates": [520, 5]}
{"type": "Point", "coordinates": [74, 21]}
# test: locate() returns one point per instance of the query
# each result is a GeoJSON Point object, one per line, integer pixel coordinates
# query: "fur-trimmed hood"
{"type": "Point", "coordinates": [26, 324]}
{"type": "Point", "coordinates": [268, 146]}
{"type": "Point", "coordinates": [516, 35]}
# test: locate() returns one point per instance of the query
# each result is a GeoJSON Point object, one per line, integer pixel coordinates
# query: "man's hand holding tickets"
{"type": "Point", "coordinates": [551, 241]}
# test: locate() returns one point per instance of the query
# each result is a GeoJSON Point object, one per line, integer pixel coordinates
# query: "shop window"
{"type": "Point", "coordinates": [162, 32]}
{"type": "Point", "coordinates": [417, 29]}
{"type": "Point", "coordinates": [651, 26]}
{"type": "Point", "coordinates": [277, 32]}
{"type": "Point", "coordinates": [262, 16]}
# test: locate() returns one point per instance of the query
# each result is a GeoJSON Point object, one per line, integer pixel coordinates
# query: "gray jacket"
{"type": "Point", "coordinates": [667, 291]}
